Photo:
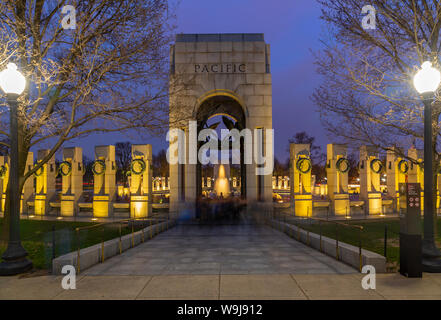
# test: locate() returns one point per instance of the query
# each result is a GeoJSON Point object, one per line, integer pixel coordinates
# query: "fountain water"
{"type": "Point", "coordinates": [222, 185]}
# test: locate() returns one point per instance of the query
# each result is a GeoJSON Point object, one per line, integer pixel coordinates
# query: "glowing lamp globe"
{"type": "Point", "coordinates": [427, 80]}
{"type": "Point", "coordinates": [11, 80]}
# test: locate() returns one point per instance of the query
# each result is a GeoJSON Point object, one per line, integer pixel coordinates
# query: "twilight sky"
{"type": "Point", "coordinates": [291, 27]}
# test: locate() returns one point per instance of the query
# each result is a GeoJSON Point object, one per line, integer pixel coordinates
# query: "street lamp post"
{"type": "Point", "coordinates": [14, 258]}
{"type": "Point", "coordinates": [426, 82]}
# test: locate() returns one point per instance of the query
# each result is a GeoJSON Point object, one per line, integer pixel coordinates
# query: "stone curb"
{"type": "Point", "coordinates": [91, 256]}
{"type": "Point", "coordinates": [347, 253]}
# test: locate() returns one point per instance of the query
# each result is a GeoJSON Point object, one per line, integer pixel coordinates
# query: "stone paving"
{"type": "Point", "coordinates": [224, 287]}
{"type": "Point", "coordinates": [220, 249]}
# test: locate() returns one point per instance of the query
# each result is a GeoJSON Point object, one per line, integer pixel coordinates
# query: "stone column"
{"type": "Point", "coordinates": [438, 186]}
{"type": "Point", "coordinates": [177, 156]}
{"type": "Point", "coordinates": [45, 184]}
{"type": "Point", "coordinates": [28, 188]}
{"type": "Point", "coordinates": [370, 173]}
{"type": "Point", "coordinates": [104, 181]}
{"type": "Point", "coordinates": [141, 183]}
{"type": "Point", "coordinates": [396, 173]}
{"type": "Point", "coordinates": [337, 168]}
{"type": "Point", "coordinates": [4, 179]}
{"type": "Point", "coordinates": [300, 171]}
{"type": "Point", "coordinates": [71, 170]}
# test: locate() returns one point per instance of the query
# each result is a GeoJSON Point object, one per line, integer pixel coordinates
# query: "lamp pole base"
{"type": "Point", "coordinates": [430, 250]}
{"type": "Point", "coordinates": [431, 265]}
{"type": "Point", "coordinates": [11, 268]}
{"type": "Point", "coordinates": [14, 260]}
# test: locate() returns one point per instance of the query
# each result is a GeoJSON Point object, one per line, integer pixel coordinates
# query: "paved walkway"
{"type": "Point", "coordinates": [231, 287]}
{"type": "Point", "coordinates": [220, 249]}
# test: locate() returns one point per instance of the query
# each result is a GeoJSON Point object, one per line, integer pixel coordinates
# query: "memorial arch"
{"type": "Point", "coordinates": [219, 74]}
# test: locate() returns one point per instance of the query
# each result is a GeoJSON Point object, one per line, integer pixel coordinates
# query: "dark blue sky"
{"type": "Point", "coordinates": [291, 27]}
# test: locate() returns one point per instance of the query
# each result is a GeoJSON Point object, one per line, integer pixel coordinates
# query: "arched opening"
{"type": "Point", "coordinates": [217, 113]}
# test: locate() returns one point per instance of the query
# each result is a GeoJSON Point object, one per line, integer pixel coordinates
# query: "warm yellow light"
{"type": "Point", "coordinates": [222, 185]}
{"type": "Point", "coordinates": [59, 218]}
{"type": "Point", "coordinates": [427, 79]}
{"type": "Point", "coordinates": [11, 80]}
{"type": "Point", "coordinates": [94, 219]}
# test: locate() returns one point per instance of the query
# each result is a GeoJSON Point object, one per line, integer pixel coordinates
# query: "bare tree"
{"type": "Point", "coordinates": [123, 153]}
{"type": "Point", "coordinates": [109, 73]}
{"type": "Point", "coordinates": [88, 174]}
{"type": "Point", "coordinates": [280, 168]}
{"type": "Point", "coordinates": [160, 164]}
{"type": "Point", "coordinates": [367, 96]}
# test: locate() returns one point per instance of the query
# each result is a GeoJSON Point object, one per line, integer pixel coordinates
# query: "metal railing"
{"type": "Point", "coordinates": [387, 232]}
{"type": "Point", "coordinates": [131, 225]}
{"type": "Point", "coordinates": [305, 221]}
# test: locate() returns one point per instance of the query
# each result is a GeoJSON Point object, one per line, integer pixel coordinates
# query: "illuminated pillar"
{"type": "Point", "coordinates": [279, 182]}
{"type": "Point", "coordinates": [396, 173]}
{"type": "Point", "coordinates": [4, 178]}
{"type": "Point", "coordinates": [285, 182]}
{"type": "Point", "coordinates": [71, 171]}
{"type": "Point", "coordinates": [44, 184]}
{"type": "Point", "coordinates": [337, 168]}
{"type": "Point", "coordinates": [104, 182]}
{"type": "Point", "coordinates": [28, 188]}
{"type": "Point", "coordinates": [274, 182]}
{"type": "Point", "coordinates": [370, 173]}
{"type": "Point", "coordinates": [416, 170]}
{"type": "Point", "coordinates": [141, 183]}
{"type": "Point", "coordinates": [438, 185]}
{"type": "Point", "coordinates": [203, 180]}
{"type": "Point", "coordinates": [208, 182]}
{"type": "Point", "coordinates": [300, 171]}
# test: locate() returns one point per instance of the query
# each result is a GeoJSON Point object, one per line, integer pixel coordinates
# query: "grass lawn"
{"type": "Point", "coordinates": [37, 238]}
{"type": "Point", "coordinates": [372, 236]}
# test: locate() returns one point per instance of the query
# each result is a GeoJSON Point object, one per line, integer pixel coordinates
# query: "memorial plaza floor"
{"type": "Point", "coordinates": [242, 261]}
{"type": "Point", "coordinates": [242, 248]}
